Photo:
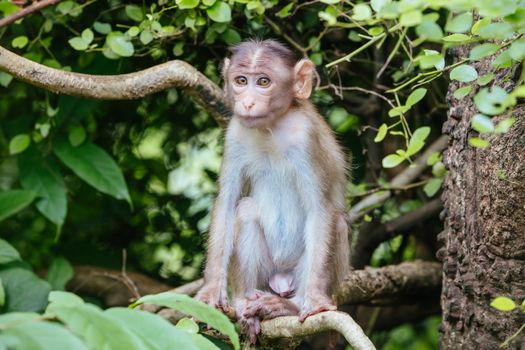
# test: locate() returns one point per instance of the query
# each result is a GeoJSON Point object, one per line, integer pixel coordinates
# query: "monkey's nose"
{"type": "Point", "coordinates": [248, 105]}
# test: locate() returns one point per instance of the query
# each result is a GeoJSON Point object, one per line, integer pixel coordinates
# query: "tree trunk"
{"type": "Point", "coordinates": [484, 241]}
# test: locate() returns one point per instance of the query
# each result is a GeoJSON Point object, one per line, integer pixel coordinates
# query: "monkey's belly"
{"type": "Point", "coordinates": [282, 218]}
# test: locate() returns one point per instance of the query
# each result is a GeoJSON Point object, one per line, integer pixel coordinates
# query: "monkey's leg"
{"type": "Point", "coordinates": [251, 266]}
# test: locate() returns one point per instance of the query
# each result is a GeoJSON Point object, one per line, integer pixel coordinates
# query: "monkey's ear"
{"type": "Point", "coordinates": [225, 66]}
{"type": "Point", "coordinates": [303, 73]}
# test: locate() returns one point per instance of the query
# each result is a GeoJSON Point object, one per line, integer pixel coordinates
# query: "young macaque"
{"type": "Point", "coordinates": [278, 236]}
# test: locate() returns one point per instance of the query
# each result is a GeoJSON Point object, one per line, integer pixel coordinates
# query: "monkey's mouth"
{"type": "Point", "coordinates": [252, 117]}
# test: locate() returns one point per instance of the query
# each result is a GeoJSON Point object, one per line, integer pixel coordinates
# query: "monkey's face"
{"type": "Point", "coordinates": [259, 95]}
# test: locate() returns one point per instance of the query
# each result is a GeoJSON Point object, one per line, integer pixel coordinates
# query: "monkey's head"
{"type": "Point", "coordinates": [262, 79]}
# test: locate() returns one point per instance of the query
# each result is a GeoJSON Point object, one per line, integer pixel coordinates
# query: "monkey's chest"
{"type": "Point", "coordinates": [281, 212]}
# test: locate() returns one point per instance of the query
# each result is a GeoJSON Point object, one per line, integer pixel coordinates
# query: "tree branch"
{"type": "Point", "coordinates": [402, 179]}
{"type": "Point", "coordinates": [35, 6]}
{"type": "Point", "coordinates": [289, 326]}
{"type": "Point", "coordinates": [366, 243]}
{"type": "Point", "coordinates": [390, 284]}
{"type": "Point", "coordinates": [123, 86]}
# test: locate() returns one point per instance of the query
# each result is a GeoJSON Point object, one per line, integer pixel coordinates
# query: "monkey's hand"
{"type": "Point", "coordinates": [251, 326]}
{"type": "Point", "coordinates": [217, 297]}
{"type": "Point", "coordinates": [315, 303]}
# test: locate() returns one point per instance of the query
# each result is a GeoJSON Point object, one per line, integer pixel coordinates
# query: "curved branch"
{"type": "Point", "coordinates": [123, 86]}
{"type": "Point", "coordinates": [289, 326]}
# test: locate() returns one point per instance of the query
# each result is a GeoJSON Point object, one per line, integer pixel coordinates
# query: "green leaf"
{"type": "Point", "coordinates": [483, 50]}
{"type": "Point", "coordinates": [432, 186]}
{"type": "Point", "coordinates": [482, 123]}
{"type": "Point", "coordinates": [429, 30]}
{"type": "Point", "coordinates": [5, 79]}
{"type": "Point", "coordinates": [285, 11]}
{"type": "Point", "coordinates": [146, 36]}
{"type": "Point", "coordinates": [411, 18]}
{"type": "Point", "coordinates": [87, 35]}
{"type": "Point", "coordinates": [78, 43]}
{"type": "Point", "coordinates": [485, 79]}
{"type": "Point", "coordinates": [220, 12]}
{"type": "Point", "coordinates": [12, 202]}
{"type": "Point", "coordinates": [187, 4]}
{"type": "Point", "coordinates": [188, 325]}
{"type": "Point", "coordinates": [478, 143]}
{"type": "Point", "coordinates": [394, 112]}
{"type": "Point", "coordinates": [500, 8]}
{"type": "Point", "coordinates": [381, 133]}
{"type": "Point", "coordinates": [460, 23]}
{"type": "Point", "coordinates": [417, 141]}
{"type": "Point", "coordinates": [99, 330]}
{"type": "Point", "coordinates": [456, 38]}
{"type": "Point", "coordinates": [392, 160]}
{"type": "Point", "coordinates": [93, 165]}
{"type": "Point", "coordinates": [24, 290]}
{"type": "Point", "coordinates": [208, 2]}
{"type": "Point", "coordinates": [231, 36]}
{"type": "Point", "coordinates": [7, 252]}
{"type": "Point", "coordinates": [42, 335]}
{"type": "Point", "coordinates": [503, 304]}
{"type": "Point", "coordinates": [199, 310]}
{"type": "Point", "coordinates": [504, 125]}
{"type": "Point", "coordinates": [77, 136]}
{"type": "Point", "coordinates": [416, 96]}
{"type": "Point", "coordinates": [8, 8]}
{"type": "Point", "coordinates": [503, 60]}
{"type": "Point", "coordinates": [102, 28]}
{"type": "Point", "coordinates": [65, 298]}
{"type": "Point", "coordinates": [431, 60]}
{"type": "Point", "coordinates": [498, 31]}
{"type": "Point", "coordinates": [464, 73]}
{"type": "Point", "coordinates": [19, 143]}
{"type": "Point", "coordinates": [135, 13]}
{"type": "Point", "coordinates": [157, 333]}
{"type": "Point", "coordinates": [377, 5]}
{"type": "Point", "coordinates": [59, 273]}
{"type": "Point", "coordinates": [433, 158]}
{"type": "Point", "coordinates": [178, 48]}
{"type": "Point", "coordinates": [517, 50]}
{"type": "Point", "coordinates": [120, 44]}
{"type": "Point", "coordinates": [65, 6]}
{"type": "Point", "coordinates": [43, 178]}
{"type": "Point", "coordinates": [361, 12]}
{"type": "Point", "coordinates": [462, 92]}
{"type": "Point", "coordinates": [20, 42]}
{"type": "Point", "coordinates": [492, 101]}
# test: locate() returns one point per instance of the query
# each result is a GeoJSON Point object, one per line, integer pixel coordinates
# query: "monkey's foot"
{"type": "Point", "coordinates": [216, 297]}
{"type": "Point", "coordinates": [270, 306]}
{"type": "Point", "coordinates": [251, 326]}
{"type": "Point", "coordinates": [313, 307]}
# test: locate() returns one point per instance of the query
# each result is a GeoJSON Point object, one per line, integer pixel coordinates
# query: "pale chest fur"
{"type": "Point", "coordinates": [272, 162]}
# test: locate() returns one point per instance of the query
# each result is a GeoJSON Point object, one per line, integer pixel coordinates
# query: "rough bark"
{"type": "Point", "coordinates": [484, 252]}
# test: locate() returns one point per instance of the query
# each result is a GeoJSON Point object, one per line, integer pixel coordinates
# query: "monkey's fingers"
{"type": "Point", "coordinates": [307, 312]}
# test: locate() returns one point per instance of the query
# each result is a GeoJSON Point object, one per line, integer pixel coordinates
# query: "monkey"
{"type": "Point", "coordinates": [278, 236]}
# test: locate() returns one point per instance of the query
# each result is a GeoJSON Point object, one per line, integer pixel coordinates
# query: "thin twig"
{"type": "Point", "coordinates": [35, 6]}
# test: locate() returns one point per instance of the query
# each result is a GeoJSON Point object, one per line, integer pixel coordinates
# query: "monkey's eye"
{"type": "Point", "coordinates": [240, 80]}
{"type": "Point", "coordinates": [264, 82]}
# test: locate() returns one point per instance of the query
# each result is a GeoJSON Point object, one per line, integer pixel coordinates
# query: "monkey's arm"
{"type": "Point", "coordinates": [221, 236]}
